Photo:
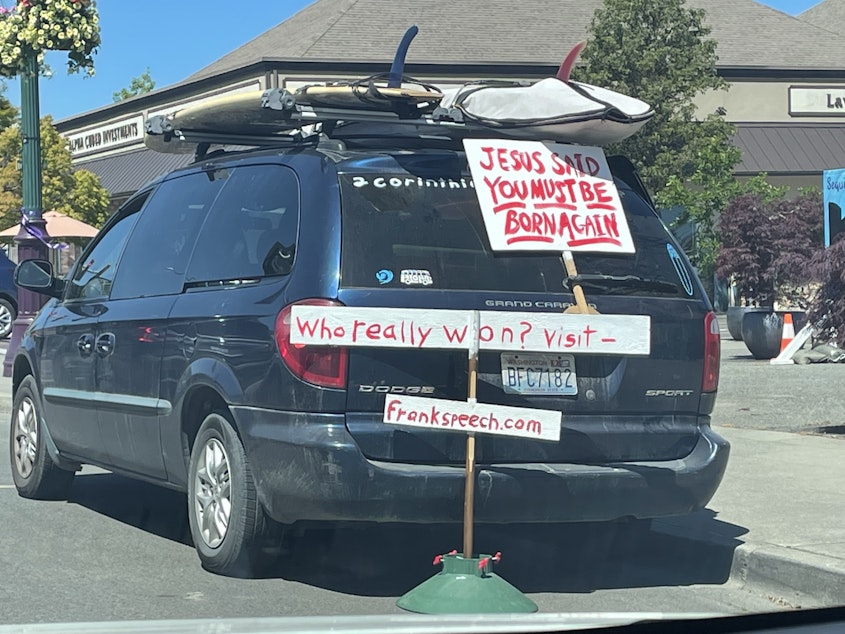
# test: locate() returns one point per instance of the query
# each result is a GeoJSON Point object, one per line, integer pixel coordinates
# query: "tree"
{"type": "Point", "coordinates": [8, 113]}
{"type": "Point", "coordinates": [138, 86]}
{"type": "Point", "coordinates": [75, 193]}
{"type": "Point", "coordinates": [660, 51]}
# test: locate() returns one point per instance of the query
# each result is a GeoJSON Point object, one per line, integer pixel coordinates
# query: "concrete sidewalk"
{"type": "Point", "coordinates": [781, 504]}
{"type": "Point", "coordinates": [781, 508]}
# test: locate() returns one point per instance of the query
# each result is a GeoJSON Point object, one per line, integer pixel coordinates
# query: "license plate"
{"type": "Point", "coordinates": [537, 373]}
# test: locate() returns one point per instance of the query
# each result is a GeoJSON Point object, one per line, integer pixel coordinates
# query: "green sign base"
{"type": "Point", "coordinates": [466, 586]}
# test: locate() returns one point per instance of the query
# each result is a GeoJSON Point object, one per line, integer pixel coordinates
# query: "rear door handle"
{"type": "Point", "coordinates": [105, 344]}
{"type": "Point", "coordinates": [85, 344]}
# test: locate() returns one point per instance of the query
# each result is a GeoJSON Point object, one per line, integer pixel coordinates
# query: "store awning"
{"type": "Point", "coordinates": [127, 172]}
{"type": "Point", "coordinates": [790, 148]}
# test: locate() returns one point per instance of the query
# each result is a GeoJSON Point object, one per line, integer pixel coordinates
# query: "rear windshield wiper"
{"type": "Point", "coordinates": [621, 283]}
{"type": "Point", "coordinates": [228, 282]}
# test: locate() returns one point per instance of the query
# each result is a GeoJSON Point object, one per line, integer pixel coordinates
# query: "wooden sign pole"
{"type": "Point", "coordinates": [581, 305]}
{"type": "Point", "coordinates": [467, 585]}
{"type": "Point", "coordinates": [469, 484]}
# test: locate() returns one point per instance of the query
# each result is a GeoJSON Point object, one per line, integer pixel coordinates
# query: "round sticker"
{"type": "Point", "coordinates": [385, 276]}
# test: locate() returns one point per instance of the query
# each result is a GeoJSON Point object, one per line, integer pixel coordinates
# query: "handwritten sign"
{"type": "Point", "coordinates": [450, 329]}
{"type": "Point", "coordinates": [547, 197]}
{"type": "Point", "coordinates": [414, 411]}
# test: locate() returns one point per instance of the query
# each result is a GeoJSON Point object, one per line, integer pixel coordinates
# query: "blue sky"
{"type": "Point", "coordinates": [175, 38]}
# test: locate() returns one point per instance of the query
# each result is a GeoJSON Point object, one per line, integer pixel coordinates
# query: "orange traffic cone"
{"type": "Point", "coordinates": [788, 332]}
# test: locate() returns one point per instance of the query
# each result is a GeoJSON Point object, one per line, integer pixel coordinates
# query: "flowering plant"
{"type": "Point", "coordinates": [36, 26]}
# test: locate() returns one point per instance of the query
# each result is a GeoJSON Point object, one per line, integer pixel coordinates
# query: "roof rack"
{"type": "Point", "coordinates": [289, 122]}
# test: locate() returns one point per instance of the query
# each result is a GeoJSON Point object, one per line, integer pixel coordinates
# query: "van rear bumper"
{"type": "Point", "coordinates": [308, 467]}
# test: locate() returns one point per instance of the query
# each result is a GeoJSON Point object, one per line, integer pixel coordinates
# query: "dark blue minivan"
{"type": "Point", "coordinates": [165, 355]}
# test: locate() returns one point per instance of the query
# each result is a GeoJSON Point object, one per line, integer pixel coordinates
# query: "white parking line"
{"type": "Point", "coordinates": [7, 486]}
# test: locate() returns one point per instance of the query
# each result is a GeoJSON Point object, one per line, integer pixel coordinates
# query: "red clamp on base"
{"type": "Point", "coordinates": [485, 561]}
{"type": "Point", "coordinates": [439, 558]}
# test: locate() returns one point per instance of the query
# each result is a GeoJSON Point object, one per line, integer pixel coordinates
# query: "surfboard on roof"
{"type": "Point", "coordinates": [552, 109]}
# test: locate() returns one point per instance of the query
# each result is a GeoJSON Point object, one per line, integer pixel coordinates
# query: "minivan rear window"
{"type": "Point", "coordinates": [400, 230]}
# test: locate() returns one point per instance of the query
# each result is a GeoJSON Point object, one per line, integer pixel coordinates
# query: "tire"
{"type": "Point", "coordinates": [34, 473]}
{"type": "Point", "coordinates": [231, 532]}
{"type": "Point", "coordinates": [8, 314]}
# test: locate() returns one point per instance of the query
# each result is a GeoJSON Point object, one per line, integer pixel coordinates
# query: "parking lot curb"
{"type": "Point", "coordinates": [792, 576]}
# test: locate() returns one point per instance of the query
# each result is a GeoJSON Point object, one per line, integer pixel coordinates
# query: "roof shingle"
{"type": "Point", "coordinates": [529, 31]}
{"type": "Point", "coordinates": [825, 14]}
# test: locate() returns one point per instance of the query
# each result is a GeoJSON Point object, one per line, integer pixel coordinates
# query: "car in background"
{"type": "Point", "coordinates": [8, 295]}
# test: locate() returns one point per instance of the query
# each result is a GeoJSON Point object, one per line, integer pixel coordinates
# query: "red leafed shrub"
{"type": "Point", "coordinates": [827, 310]}
{"type": "Point", "coordinates": [767, 247]}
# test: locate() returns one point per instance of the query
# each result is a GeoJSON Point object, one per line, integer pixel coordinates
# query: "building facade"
{"type": "Point", "coordinates": [786, 75]}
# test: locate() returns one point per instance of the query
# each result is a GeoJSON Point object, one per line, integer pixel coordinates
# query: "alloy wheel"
{"type": "Point", "coordinates": [5, 321]}
{"type": "Point", "coordinates": [212, 493]}
{"type": "Point", "coordinates": [26, 437]}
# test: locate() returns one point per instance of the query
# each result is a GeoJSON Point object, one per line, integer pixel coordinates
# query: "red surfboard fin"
{"type": "Point", "coordinates": [569, 62]}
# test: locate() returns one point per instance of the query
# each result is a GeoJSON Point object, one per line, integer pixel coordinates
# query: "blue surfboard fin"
{"type": "Point", "coordinates": [394, 79]}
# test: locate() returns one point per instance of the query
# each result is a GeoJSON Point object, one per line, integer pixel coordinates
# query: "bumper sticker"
{"type": "Point", "coordinates": [416, 276]}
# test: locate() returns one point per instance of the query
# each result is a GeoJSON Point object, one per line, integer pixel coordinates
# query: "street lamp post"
{"type": "Point", "coordinates": [29, 246]}
{"type": "Point", "coordinates": [27, 31]}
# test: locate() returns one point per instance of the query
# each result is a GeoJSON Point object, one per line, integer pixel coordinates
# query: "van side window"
{"type": "Point", "coordinates": [160, 246]}
{"type": "Point", "coordinates": [94, 272]}
{"type": "Point", "coordinates": [252, 228]}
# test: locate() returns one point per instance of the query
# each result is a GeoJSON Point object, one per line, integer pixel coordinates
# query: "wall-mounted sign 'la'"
{"type": "Point", "coordinates": [539, 196]}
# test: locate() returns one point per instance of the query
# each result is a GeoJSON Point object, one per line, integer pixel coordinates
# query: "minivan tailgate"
{"type": "Point", "coordinates": [624, 408]}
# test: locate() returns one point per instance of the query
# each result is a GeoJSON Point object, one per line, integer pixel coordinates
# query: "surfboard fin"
{"type": "Point", "coordinates": [397, 68]}
{"type": "Point", "coordinates": [568, 64]}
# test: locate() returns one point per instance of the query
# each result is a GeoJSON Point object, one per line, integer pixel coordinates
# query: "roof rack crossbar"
{"type": "Point", "coordinates": [227, 138]}
{"type": "Point", "coordinates": [280, 100]}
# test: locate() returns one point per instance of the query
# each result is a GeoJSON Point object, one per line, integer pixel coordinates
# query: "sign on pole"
{"type": "Point", "coordinates": [450, 329]}
{"type": "Point", "coordinates": [433, 413]}
{"type": "Point", "coordinates": [538, 196]}
{"type": "Point", "coordinates": [834, 204]}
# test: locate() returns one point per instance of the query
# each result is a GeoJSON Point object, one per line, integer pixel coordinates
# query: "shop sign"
{"type": "Point", "coordinates": [817, 101]}
{"type": "Point", "coordinates": [108, 135]}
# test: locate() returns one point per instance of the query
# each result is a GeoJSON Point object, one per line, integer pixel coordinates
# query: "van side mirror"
{"type": "Point", "coordinates": [37, 276]}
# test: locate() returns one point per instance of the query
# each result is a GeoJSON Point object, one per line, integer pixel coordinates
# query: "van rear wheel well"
{"type": "Point", "coordinates": [199, 403]}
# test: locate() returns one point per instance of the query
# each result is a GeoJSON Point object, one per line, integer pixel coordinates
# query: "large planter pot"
{"type": "Point", "coordinates": [762, 331]}
{"type": "Point", "coordinates": [734, 316]}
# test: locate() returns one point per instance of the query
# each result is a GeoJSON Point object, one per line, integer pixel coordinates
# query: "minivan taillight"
{"type": "Point", "coordinates": [321, 365]}
{"type": "Point", "coordinates": [712, 348]}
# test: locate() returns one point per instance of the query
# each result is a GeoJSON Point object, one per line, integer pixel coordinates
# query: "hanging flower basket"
{"type": "Point", "coordinates": [37, 26]}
